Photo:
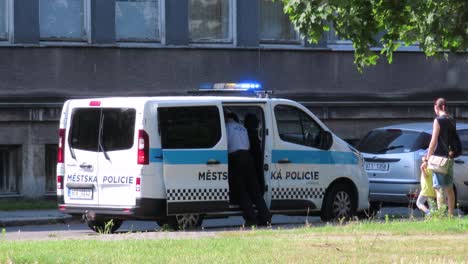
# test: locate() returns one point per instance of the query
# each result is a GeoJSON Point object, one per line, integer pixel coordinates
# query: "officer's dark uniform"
{"type": "Point", "coordinates": [243, 178]}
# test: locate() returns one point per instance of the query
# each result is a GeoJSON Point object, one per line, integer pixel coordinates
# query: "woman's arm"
{"type": "Point", "coordinates": [435, 137]}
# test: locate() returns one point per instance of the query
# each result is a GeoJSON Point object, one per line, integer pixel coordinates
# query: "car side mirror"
{"type": "Point", "coordinates": [327, 140]}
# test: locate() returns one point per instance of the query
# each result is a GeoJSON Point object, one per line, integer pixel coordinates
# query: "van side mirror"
{"type": "Point", "coordinates": [326, 140]}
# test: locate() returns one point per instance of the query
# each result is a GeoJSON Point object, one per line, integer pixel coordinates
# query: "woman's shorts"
{"type": "Point", "coordinates": [443, 180]}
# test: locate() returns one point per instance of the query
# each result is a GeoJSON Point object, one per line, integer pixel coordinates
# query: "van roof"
{"type": "Point", "coordinates": [227, 99]}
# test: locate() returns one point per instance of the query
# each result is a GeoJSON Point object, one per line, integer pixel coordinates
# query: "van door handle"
{"type": "Point", "coordinates": [459, 161]}
{"type": "Point", "coordinates": [212, 162]}
{"type": "Point", "coordinates": [86, 166]}
{"type": "Point", "coordinates": [284, 161]}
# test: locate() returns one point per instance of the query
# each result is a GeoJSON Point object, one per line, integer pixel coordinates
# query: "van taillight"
{"type": "Point", "coordinates": [59, 182]}
{"type": "Point", "coordinates": [143, 147]}
{"type": "Point", "coordinates": [138, 184]}
{"type": "Point", "coordinates": [61, 152]}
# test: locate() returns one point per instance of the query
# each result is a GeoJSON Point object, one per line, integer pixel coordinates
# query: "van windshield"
{"type": "Point", "coordinates": [393, 141]}
{"type": "Point", "coordinates": [117, 132]}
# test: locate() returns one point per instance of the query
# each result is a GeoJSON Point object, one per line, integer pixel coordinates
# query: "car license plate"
{"type": "Point", "coordinates": [377, 166]}
{"type": "Point", "coordinates": [83, 194]}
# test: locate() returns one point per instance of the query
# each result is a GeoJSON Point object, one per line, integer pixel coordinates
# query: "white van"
{"type": "Point", "coordinates": [165, 159]}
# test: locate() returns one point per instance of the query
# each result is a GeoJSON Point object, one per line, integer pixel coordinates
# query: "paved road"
{"type": "Point", "coordinates": [78, 230]}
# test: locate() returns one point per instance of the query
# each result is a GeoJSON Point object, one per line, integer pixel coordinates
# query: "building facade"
{"type": "Point", "coordinates": [53, 50]}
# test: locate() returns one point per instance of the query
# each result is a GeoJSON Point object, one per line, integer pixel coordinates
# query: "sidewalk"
{"type": "Point", "coordinates": [32, 217]}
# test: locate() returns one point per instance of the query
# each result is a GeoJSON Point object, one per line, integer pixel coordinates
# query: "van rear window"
{"type": "Point", "coordinates": [113, 127]}
{"type": "Point", "coordinates": [189, 127]}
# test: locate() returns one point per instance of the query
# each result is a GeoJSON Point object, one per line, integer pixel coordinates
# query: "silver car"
{"type": "Point", "coordinates": [392, 158]}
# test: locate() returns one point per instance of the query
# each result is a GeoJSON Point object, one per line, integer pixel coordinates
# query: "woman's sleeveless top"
{"type": "Point", "coordinates": [446, 125]}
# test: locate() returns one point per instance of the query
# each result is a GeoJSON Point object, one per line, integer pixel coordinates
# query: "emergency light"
{"type": "Point", "coordinates": [231, 87]}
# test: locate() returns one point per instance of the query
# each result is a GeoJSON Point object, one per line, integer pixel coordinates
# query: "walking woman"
{"type": "Point", "coordinates": [443, 183]}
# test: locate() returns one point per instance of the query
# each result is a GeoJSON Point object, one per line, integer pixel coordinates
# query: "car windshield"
{"type": "Point", "coordinates": [393, 141]}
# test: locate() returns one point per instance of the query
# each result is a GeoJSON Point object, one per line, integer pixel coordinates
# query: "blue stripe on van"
{"type": "Point", "coordinates": [188, 156]}
{"type": "Point", "coordinates": [156, 155]}
{"type": "Point", "coordinates": [314, 157]}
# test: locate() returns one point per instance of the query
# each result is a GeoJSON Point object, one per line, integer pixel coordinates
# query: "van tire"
{"type": "Point", "coordinates": [340, 203]}
{"type": "Point", "coordinates": [99, 226]}
{"type": "Point", "coordinates": [185, 221]}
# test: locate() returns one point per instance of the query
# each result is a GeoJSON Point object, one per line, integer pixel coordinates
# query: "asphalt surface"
{"type": "Point", "coordinates": [52, 224]}
{"type": "Point", "coordinates": [41, 217]}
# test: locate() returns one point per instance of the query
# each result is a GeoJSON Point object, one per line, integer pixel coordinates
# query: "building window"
{"type": "Point", "coordinates": [10, 169]}
{"type": "Point", "coordinates": [3, 19]}
{"type": "Point", "coordinates": [275, 26]}
{"type": "Point", "coordinates": [63, 20]}
{"type": "Point", "coordinates": [51, 167]}
{"type": "Point", "coordinates": [210, 21]}
{"type": "Point", "coordinates": [137, 20]}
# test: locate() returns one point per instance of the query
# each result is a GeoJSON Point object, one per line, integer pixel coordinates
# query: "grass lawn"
{"type": "Point", "coordinates": [433, 241]}
{"type": "Point", "coordinates": [27, 204]}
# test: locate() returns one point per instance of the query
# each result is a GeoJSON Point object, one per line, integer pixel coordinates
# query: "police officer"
{"type": "Point", "coordinates": [242, 174]}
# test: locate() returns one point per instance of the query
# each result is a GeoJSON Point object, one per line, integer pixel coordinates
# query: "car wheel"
{"type": "Point", "coordinates": [185, 221]}
{"type": "Point", "coordinates": [339, 203]}
{"type": "Point", "coordinates": [108, 226]}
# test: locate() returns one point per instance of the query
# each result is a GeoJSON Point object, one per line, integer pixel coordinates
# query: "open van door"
{"type": "Point", "coordinates": [195, 159]}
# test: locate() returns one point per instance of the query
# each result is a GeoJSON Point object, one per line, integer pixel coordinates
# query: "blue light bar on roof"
{"type": "Point", "coordinates": [245, 86]}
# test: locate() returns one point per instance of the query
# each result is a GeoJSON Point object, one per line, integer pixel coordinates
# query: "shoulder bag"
{"type": "Point", "coordinates": [438, 164]}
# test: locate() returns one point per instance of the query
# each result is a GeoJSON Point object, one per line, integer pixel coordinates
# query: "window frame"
{"type": "Point", "coordinates": [299, 40]}
{"type": "Point", "coordinates": [161, 23]}
{"type": "Point", "coordinates": [232, 28]}
{"type": "Point", "coordinates": [86, 27]}
{"type": "Point", "coordinates": [301, 114]}
{"type": "Point", "coordinates": [7, 19]}
{"type": "Point", "coordinates": [17, 153]}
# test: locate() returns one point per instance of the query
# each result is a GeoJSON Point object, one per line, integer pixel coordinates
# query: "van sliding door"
{"type": "Point", "coordinates": [195, 162]}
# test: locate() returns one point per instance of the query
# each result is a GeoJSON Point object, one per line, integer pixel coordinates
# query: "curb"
{"type": "Point", "coordinates": [35, 221]}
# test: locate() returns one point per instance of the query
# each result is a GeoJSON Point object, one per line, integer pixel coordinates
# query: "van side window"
{"type": "Point", "coordinates": [189, 127]}
{"type": "Point", "coordinates": [295, 126]}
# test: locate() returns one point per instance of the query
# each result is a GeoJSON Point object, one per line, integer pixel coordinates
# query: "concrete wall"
{"type": "Point", "coordinates": [31, 127]}
{"type": "Point", "coordinates": [32, 74]}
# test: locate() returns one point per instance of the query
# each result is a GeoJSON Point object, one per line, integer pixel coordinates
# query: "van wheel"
{"type": "Point", "coordinates": [104, 226]}
{"type": "Point", "coordinates": [185, 221]}
{"type": "Point", "coordinates": [339, 203]}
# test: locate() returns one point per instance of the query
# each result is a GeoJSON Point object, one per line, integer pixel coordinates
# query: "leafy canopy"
{"type": "Point", "coordinates": [438, 26]}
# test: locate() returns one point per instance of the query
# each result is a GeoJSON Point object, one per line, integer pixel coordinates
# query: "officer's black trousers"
{"type": "Point", "coordinates": [245, 187]}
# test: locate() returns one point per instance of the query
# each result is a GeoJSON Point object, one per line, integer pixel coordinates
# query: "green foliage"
{"type": "Point", "coordinates": [438, 26]}
{"type": "Point", "coordinates": [107, 228]}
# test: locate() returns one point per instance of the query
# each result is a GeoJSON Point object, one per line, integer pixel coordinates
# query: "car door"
{"type": "Point", "coordinates": [461, 171]}
{"type": "Point", "coordinates": [195, 163]}
{"type": "Point", "coordinates": [302, 164]}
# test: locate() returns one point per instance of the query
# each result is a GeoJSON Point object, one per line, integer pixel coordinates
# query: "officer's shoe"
{"type": "Point", "coordinates": [262, 221]}
{"type": "Point", "coordinates": [250, 223]}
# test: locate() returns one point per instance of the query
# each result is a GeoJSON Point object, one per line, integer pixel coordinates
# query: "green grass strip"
{"type": "Point", "coordinates": [437, 240]}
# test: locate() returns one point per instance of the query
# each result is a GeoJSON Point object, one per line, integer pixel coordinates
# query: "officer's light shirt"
{"type": "Point", "coordinates": [238, 138]}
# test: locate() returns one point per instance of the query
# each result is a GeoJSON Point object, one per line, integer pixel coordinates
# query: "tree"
{"type": "Point", "coordinates": [438, 26]}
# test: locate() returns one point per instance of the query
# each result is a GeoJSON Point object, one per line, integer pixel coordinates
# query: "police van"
{"type": "Point", "coordinates": [166, 159]}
